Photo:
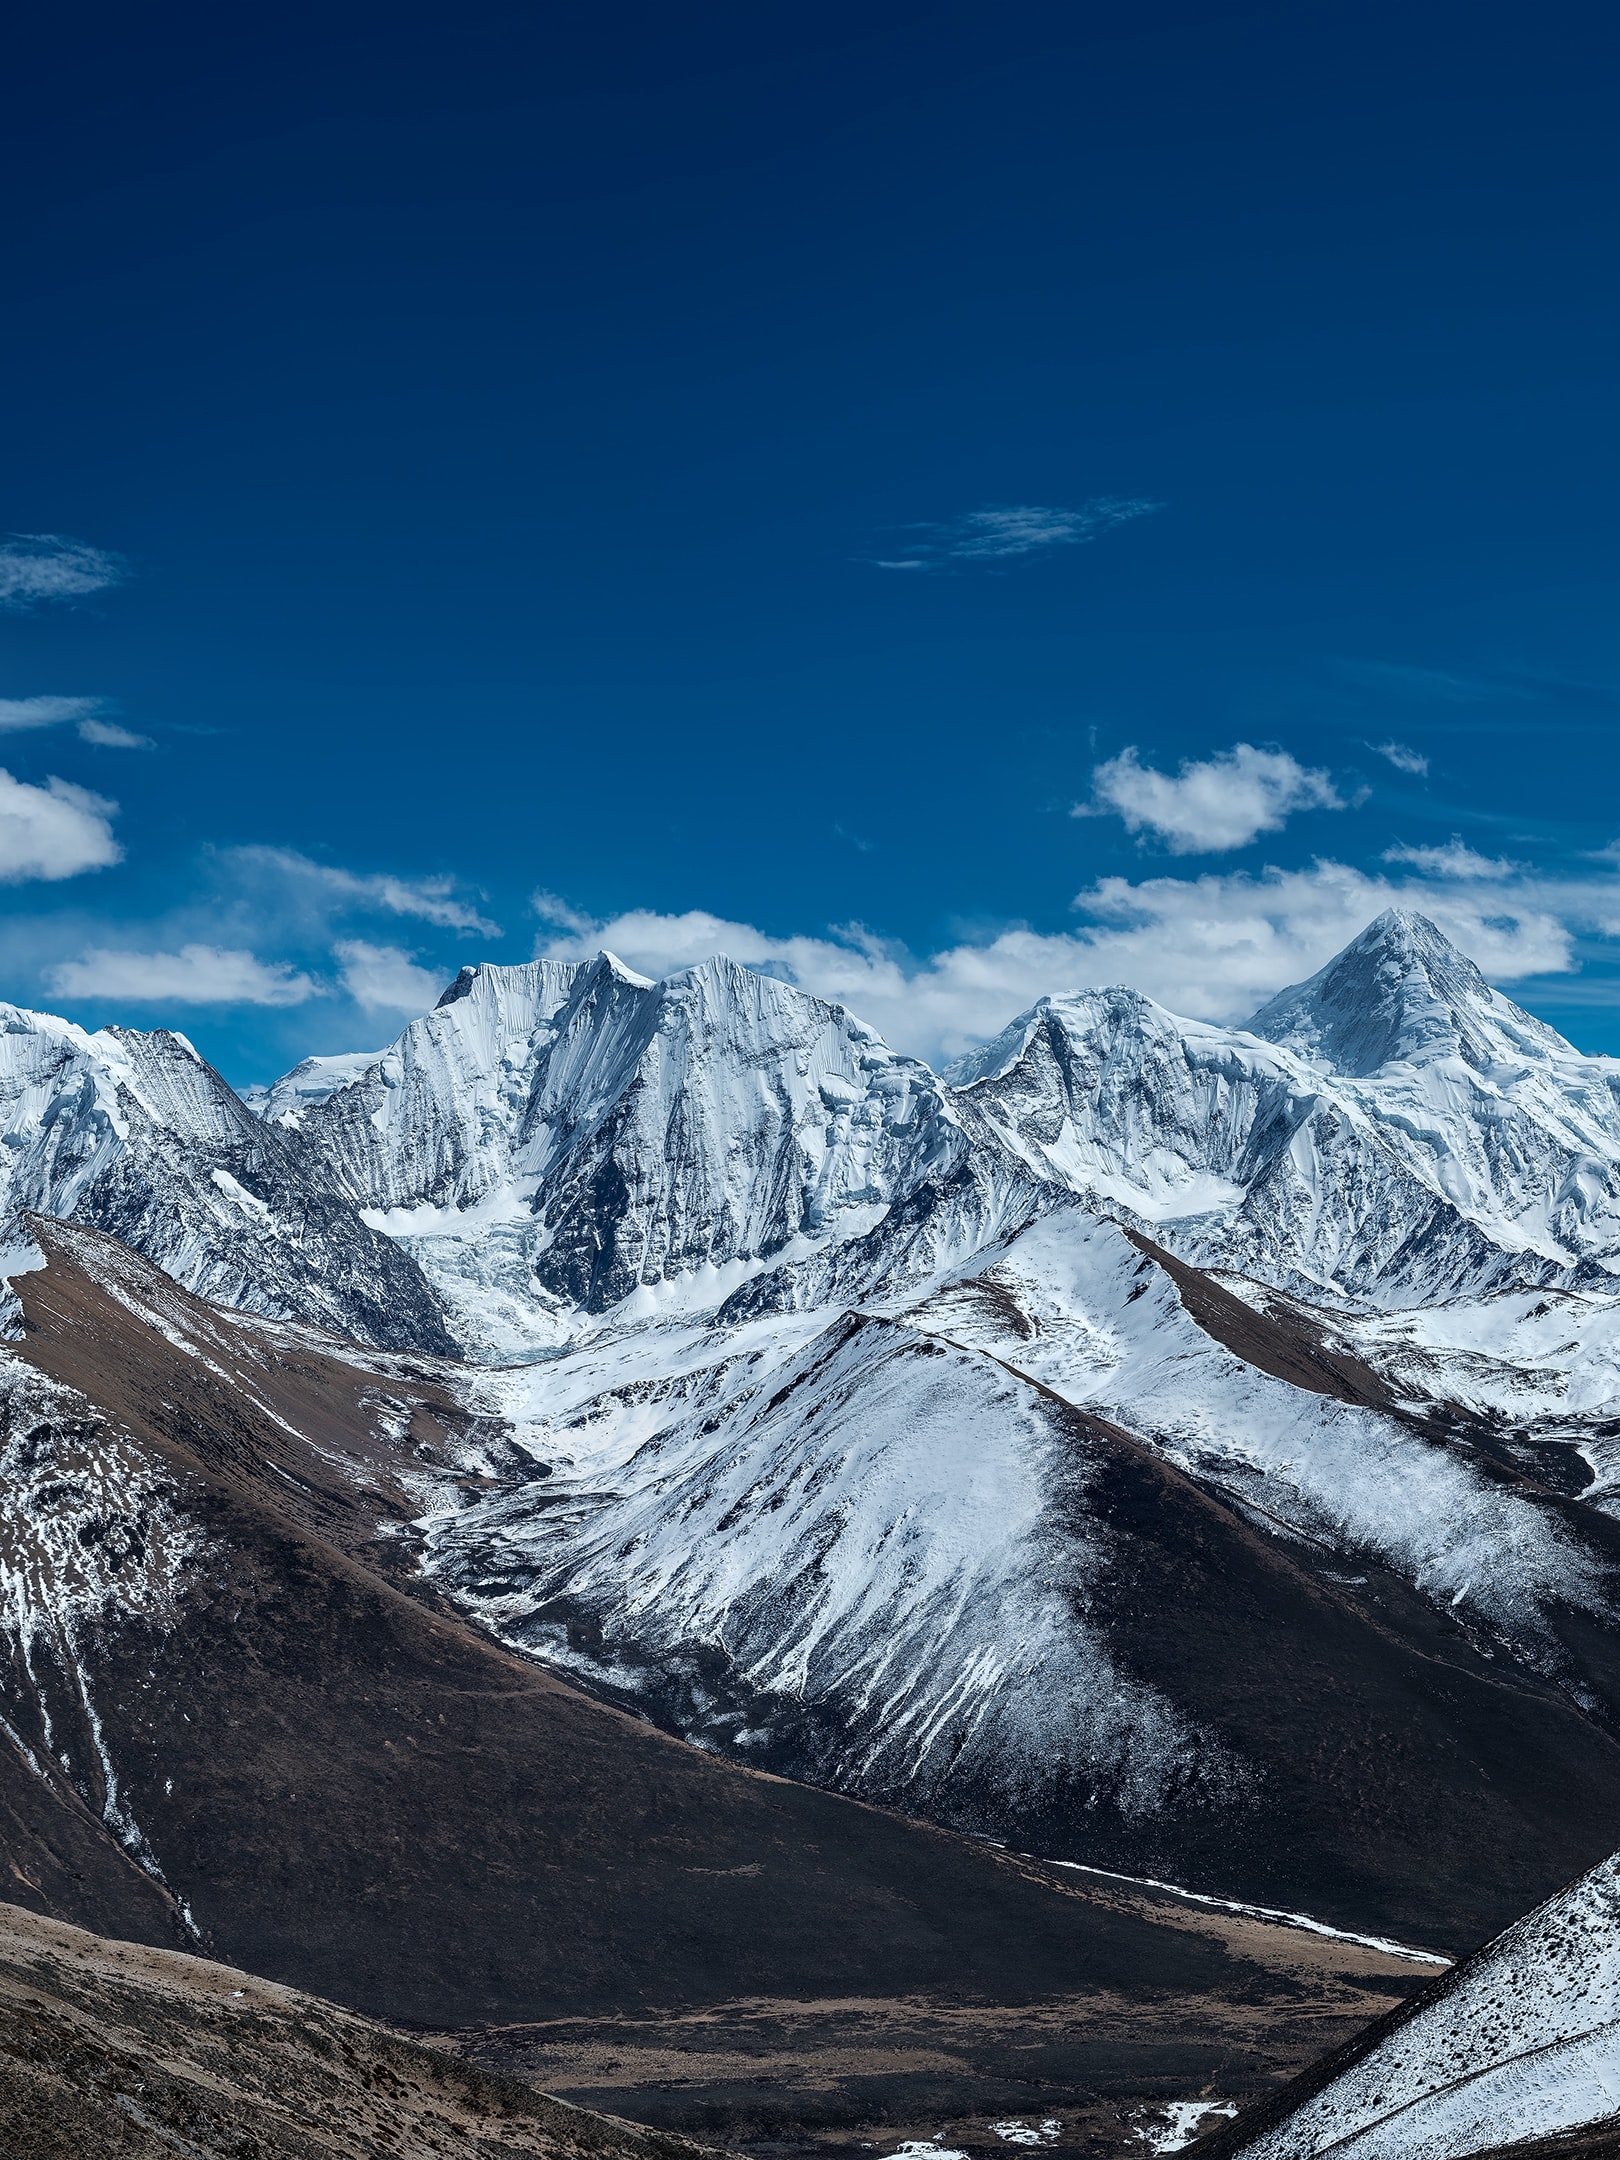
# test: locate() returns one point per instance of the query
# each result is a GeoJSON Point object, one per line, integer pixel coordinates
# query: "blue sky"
{"type": "Point", "coordinates": [515, 479]}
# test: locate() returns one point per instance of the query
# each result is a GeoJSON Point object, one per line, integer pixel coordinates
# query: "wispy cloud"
{"type": "Point", "coordinates": [195, 975]}
{"type": "Point", "coordinates": [17, 715]}
{"type": "Point", "coordinates": [1455, 860]}
{"type": "Point", "coordinates": [36, 567]}
{"type": "Point", "coordinates": [1401, 756]}
{"type": "Point", "coordinates": [111, 737]}
{"type": "Point", "coordinates": [382, 978]}
{"type": "Point", "coordinates": [429, 899]}
{"type": "Point", "coordinates": [53, 832]}
{"type": "Point", "coordinates": [1211, 805]}
{"type": "Point", "coordinates": [20, 713]}
{"type": "Point", "coordinates": [1001, 535]}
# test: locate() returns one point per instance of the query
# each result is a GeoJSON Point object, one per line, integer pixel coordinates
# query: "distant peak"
{"type": "Point", "coordinates": [1400, 992]}
{"type": "Point", "coordinates": [460, 988]}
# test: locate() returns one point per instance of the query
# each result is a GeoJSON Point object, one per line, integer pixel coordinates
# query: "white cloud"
{"type": "Point", "coordinates": [110, 737]}
{"type": "Point", "coordinates": [1213, 947]}
{"type": "Point", "coordinates": [18, 713]}
{"type": "Point", "coordinates": [195, 975]}
{"type": "Point", "coordinates": [1454, 860]}
{"type": "Point", "coordinates": [382, 978]}
{"type": "Point", "coordinates": [1211, 806]}
{"type": "Point", "coordinates": [430, 899]}
{"type": "Point", "coordinates": [997, 535]}
{"type": "Point", "coordinates": [49, 566]}
{"type": "Point", "coordinates": [1402, 757]}
{"type": "Point", "coordinates": [54, 831]}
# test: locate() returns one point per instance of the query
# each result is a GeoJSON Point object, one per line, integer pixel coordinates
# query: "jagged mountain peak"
{"type": "Point", "coordinates": [1400, 993]}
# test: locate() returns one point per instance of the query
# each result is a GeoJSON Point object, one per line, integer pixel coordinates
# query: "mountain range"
{"type": "Point", "coordinates": [1181, 1453]}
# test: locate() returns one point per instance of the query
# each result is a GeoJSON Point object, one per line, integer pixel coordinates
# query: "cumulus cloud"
{"type": "Point", "coordinates": [195, 975]}
{"type": "Point", "coordinates": [382, 978]}
{"type": "Point", "coordinates": [1212, 805]}
{"type": "Point", "coordinates": [1402, 757]}
{"type": "Point", "coordinates": [1000, 535]}
{"type": "Point", "coordinates": [37, 567]}
{"type": "Point", "coordinates": [1212, 947]}
{"type": "Point", "coordinates": [1454, 860]}
{"type": "Point", "coordinates": [429, 899]}
{"type": "Point", "coordinates": [54, 831]}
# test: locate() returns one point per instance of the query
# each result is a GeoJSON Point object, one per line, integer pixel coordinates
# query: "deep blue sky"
{"type": "Point", "coordinates": [502, 415]}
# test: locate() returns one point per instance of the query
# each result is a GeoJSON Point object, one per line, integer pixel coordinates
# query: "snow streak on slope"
{"type": "Point", "coordinates": [91, 1539]}
{"type": "Point", "coordinates": [1520, 2042]}
{"type": "Point", "coordinates": [850, 1548]}
{"type": "Point", "coordinates": [1072, 1303]}
{"type": "Point", "coordinates": [557, 1142]}
{"type": "Point", "coordinates": [135, 1134]}
{"type": "Point", "coordinates": [1460, 1145]}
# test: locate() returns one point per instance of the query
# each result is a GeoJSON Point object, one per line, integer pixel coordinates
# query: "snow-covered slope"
{"type": "Point", "coordinates": [1520, 2042]}
{"type": "Point", "coordinates": [1075, 1305]}
{"type": "Point", "coordinates": [1394, 1129]}
{"type": "Point", "coordinates": [135, 1134]}
{"type": "Point", "coordinates": [561, 1140]}
{"type": "Point", "coordinates": [285, 1102]}
{"type": "Point", "coordinates": [849, 1547]}
{"type": "Point", "coordinates": [912, 1551]}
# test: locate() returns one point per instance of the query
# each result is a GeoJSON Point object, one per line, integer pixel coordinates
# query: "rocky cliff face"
{"type": "Point", "coordinates": [136, 1134]}
{"type": "Point", "coordinates": [561, 1140]}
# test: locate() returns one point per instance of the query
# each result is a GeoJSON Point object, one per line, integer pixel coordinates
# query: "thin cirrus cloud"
{"type": "Point", "coordinates": [429, 899]}
{"type": "Point", "coordinates": [18, 715]}
{"type": "Point", "coordinates": [1402, 756]}
{"type": "Point", "coordinates": [1211, 805]}
{"type": "Point", "coordinates": [195, 975]}
{"type": "Point", "coordinates": [383, 978]}
{"type": "Point", "coordinates": [53, 832]}
{"type": "Point", "coordinates": [995, 536]}
{"type": "Point", "coordinates": [42, 567]}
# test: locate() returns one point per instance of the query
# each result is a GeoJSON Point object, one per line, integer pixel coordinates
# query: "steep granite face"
{"type": "Point", "coordinates": [557, 1139]}
{"type": "Point", "coordinates": [135, 1134]}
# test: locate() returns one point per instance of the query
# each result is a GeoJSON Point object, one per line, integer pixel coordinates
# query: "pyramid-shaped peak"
{"type": "Point", "coordinates": [1401, 992]}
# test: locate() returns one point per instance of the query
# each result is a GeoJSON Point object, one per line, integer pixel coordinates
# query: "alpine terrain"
{"type": "Point", "coordinates": [638, 1500]}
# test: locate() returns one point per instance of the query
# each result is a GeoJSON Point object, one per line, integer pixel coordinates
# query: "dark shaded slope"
{"type": "Point", "coordinates": [1410, 1779]}
{"type": "Point", "coordinates": [357, 1793]}
{"type": "Point", "coordinates": [110, 2048]}
{"type": "Point", "coordinates": [1279, 1341]}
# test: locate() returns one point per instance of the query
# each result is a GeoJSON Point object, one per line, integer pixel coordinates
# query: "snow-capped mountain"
{"type": "Point", "coordinates": [555, 1141]}
{"type": "Point", "coordinates": [892, 1432]}
{"type": "Point", "coordinates": [136, 1134]}
{"type": "Point", "coordinates": [1393, 1130]}
{"type": "Point", "coordinates": [1521, 2042]}
{"type": "Point", "coordinates": [988, 1553]}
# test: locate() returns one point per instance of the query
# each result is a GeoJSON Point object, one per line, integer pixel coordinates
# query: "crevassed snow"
{"type": "Point", "coordinates": [1522, 2041]}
